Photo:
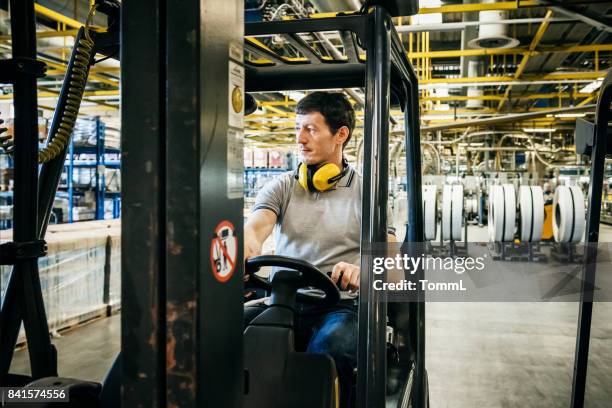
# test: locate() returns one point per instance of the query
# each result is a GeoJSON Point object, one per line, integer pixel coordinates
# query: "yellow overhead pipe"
{"type": "Point", "coordinates": [278, 103]}
{"type": "Point", "coordinates": [534, 43]}
{"type": "Point", "coordinates": [480, 52]}
{"type": "Point", "coordinates": [93, 70]}
{"type": "Point", "coordinates": [562, 95]}
{"type": "Point", "coordinates": [55, 16]}
{"type": "Point", "coordinates": [258, 44]}
{"type": "Point", "coordinates": [456, 8]}
{"type": "Point", "coordinates": [561, 76]}
{"type": "Point", "coordinates": [47, 93]}
{"type": "Point", "coordinates": [468, 8]}
{"type": "Point", "coordinates": [255, 116]}
{"type": "Point", "coordinates": [47, 34]}
{"type": "Point", "coordinates": [458, 110]}
{"type": "Point", "coordinates": [510, 51]}
{"type": "Point", "coordinates": [550, 95]}
{"type": "Point", "coordinates": [63, 68]}
{"type": "Point", "coordinates": [418, 54]}
{"type": "Point", "coordinates": [52, 93]}
{"type": "Point", "coordinates": [462, 98]}
{"type": "Point", "coordinates": [274, 109]}
{"type": "Point", "coordinates": [587, 100]}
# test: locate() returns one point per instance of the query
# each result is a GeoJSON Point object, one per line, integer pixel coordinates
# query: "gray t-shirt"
{"type": "Point", "coordinates": [321, 228]}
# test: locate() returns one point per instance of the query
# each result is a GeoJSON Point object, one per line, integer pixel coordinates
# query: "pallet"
{"type": "Point", "coordinates": [512, 252]}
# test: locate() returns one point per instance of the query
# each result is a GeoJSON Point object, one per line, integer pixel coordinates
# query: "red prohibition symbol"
{"type": "Point", "coordinates": [224, 251]}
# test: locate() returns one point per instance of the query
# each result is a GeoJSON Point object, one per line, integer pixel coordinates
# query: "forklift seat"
{"type": "Point", "coordinates": [278, 376]}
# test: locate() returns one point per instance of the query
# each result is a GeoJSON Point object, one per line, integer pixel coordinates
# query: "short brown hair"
{"type": "Point", "coordinates": [335, 108]}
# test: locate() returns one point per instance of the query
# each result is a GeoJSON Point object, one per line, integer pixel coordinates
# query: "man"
{"type": "Point", "coordinates": [320, 222]}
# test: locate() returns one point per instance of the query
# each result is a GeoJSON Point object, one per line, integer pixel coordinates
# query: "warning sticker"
{"type": "Point", "coordinates": [224, 251]}
{"type": "Point", "coordinates": [236, 95]}
{"type": "Point", "coordinates": [235, 164]}
{"type": "Point", "coordinates": [236, 51]}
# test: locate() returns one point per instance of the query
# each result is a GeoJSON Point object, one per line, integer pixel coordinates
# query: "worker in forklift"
{"type": "Point", "coordinates": [315, 212]}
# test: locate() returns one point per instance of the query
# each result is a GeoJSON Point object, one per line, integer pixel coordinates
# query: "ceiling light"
{"type": "Point", "coordinates": [443, 107]}
{"type": "Point", "coordinates": [440, 92]}
{"type": "Point", "coordinates": [592, 86]}
{"type": "Point", "coordinates": [539, 130]}
{"type": "Point", "coordinates": [570, 115]}
{"type": "Point", "coordinates": [437, 117]}
{"type": "Point", "coordinates": [296, 95]}
{"type": "Point", "coordinates": [431, 18]}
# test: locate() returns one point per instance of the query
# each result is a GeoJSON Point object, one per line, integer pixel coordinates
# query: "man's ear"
{"type": "Point", "coordinates": [342, 134]}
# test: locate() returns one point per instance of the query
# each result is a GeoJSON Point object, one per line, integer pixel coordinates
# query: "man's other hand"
{"type": "Point", "coordinates": [349, 273]}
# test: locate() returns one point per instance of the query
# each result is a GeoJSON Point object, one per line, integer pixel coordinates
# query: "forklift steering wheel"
{"type": "Point", "coordinates": [307, 275]}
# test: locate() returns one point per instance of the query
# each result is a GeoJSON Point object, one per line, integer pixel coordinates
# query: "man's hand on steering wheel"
{"type": "Point", "coordinates": [348, 274]}
{"type": "Point", "coordinates": [294, 273]}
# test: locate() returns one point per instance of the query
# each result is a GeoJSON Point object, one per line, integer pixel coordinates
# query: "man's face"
{"type": "Point", "coordinates": [315, 139]}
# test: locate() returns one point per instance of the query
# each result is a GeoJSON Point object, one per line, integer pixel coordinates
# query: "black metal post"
{"type": "Point", "coordinates": [414, 235]}
{"type": "Point", "coordinates": [143, 227]}
{"type": "Point", "coordinates": [598, 156]}
{"type": "Point", "coordinates": [107, 275]}
{"type": "Point", "coordinates": [181, 323]}
{"type": "Point", "coordinates": [416, 390]}
{"type": "Point", "coordinates": [205, 314]}
{"type": "Point", "coordinates": [372, 357]}
{"type": "Point", "coordinates": [24, 284]}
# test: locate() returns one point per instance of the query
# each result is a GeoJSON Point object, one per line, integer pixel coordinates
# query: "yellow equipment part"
{"type": "Point", "coordinates": [337, 392]}
{"type": "Point", "coordinates": [547, 229]}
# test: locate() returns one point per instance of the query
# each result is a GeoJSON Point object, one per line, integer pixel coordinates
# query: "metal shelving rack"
{"type": "Point", "coordinates": [100, 164]}
{"type": "Point", "coordinates": [6, 197]}
{"type": "Point", "coordinates": [252, 174]}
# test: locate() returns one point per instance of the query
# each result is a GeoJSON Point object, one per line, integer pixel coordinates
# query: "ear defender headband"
{"type": "Point", "coordinates": [319, 178]}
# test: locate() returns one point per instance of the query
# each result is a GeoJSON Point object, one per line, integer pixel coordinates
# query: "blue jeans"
{"type": "Point", "coordinates": [330, 330]}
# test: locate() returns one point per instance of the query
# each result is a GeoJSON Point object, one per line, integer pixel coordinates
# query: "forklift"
{"type": "Point", "coordinates": [182, 341]}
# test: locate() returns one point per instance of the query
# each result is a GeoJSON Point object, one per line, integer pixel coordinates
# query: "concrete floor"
{"type": "Point", "coordinates": [514, 354]}
{"type": "Point", "coordinates": [478, 354]}
{"type": "Point", "coordinates": [85, 353]}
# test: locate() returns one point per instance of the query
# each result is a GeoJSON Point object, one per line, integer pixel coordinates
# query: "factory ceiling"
{"type": "Point", "coordinates": [557, 54]}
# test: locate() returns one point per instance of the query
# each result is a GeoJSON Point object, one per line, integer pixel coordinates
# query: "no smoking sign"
{"type": "Point", "coordinates": [224, 251]}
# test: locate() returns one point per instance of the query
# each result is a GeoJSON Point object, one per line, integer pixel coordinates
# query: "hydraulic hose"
{"type": "Point", "coordinates": [76, 88]}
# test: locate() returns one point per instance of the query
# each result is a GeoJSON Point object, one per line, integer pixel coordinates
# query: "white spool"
{"type": "Point", "coordinates": [430, 212]}
{"type": "Point", "coordinates": [452, 212]}
{"type": "Point", "coordinates": [502, 213]}
{"type": "Point", "coordinates": [494, 190]}
{"type": "Point", "coordinates": [471, 206]}
{"type": "Point", "coordinates": [531, 205]}
{"type": "Point", "coordinates": [568, 214]}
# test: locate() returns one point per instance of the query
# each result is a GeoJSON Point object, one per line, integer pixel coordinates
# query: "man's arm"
{"type": "Point", "coordinates": [257, 229]}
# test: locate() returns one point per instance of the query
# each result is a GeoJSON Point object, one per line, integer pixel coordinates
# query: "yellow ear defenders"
{"type": "Point", "coordinates": [320, 177]}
